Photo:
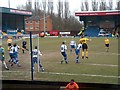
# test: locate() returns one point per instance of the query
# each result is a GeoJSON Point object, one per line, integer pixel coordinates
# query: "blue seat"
{"type": "Point", "coordinates": [92, 31]}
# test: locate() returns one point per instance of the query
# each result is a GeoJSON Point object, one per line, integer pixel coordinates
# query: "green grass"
{"type": "Point", "coordinates": [82, 72]}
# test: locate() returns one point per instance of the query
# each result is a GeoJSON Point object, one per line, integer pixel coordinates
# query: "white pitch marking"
{"type": "Point", "coordinates": [89, 75]}
{"type": "Point", "coordinates": [69, 74]}
{"type": "Point", "coordinates": [111, 65]}
{"type": "Point", "coordinates": [94, 64]}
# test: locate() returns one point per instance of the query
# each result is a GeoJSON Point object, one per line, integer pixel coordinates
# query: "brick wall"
{"type": "Point", "coordinates": [37, 26]}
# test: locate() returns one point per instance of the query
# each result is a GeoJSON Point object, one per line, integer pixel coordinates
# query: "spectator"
{"type": "Point", "coordinates": [72, 85]}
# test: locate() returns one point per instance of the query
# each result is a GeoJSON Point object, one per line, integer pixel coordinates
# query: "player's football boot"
{"type": "Point", "coordinates": [7, 68]}
{"type": "Point", "coordinates": [43, 70]}
{"type": "Point", "coordinates": [18, 65]}
{"type": "Point", "coordinates": [82, 57]}
{"type": "Point", "coordinates": [61, 62]}
{"type": "Point", "coordinates": [86, 57]}
{"type": "Point", "coordinates": [66, 62]}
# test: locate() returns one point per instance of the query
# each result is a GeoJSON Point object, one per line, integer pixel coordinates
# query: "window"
{"type": "Point", "coordinates": [37, 28]}
{"type": "Point", "coordinates": [30, 22]}
{"type": "Point", "coordinates": [26, 27]}
{"type": "Point", "coordinates": [26, 22]}
{"type": "Point", "coordinates": [31, 27]}
{"type": "Point", "coordinates": [37, 22]}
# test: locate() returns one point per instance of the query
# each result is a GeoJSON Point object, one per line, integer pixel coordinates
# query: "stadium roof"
{"type": "Point", "coordinates": [14, 11]}
{"type": "Point", "coordinates": [97, 13]}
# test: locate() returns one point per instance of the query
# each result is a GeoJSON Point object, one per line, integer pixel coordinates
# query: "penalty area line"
{"type": "Point", "coordinates": [68, 74]}
{"type": "Point", "coordinates": [89, 75]}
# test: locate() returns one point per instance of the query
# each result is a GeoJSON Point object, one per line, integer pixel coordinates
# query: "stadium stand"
{"type": "Point", "coordinates": [92, 31]}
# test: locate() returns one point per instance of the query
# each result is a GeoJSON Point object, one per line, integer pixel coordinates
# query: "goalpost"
{"type": "Point", "coordinates": [35, 42]}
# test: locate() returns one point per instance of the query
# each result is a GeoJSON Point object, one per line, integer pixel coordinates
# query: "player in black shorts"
{"type": "Point", "coordinates": [24, 47]}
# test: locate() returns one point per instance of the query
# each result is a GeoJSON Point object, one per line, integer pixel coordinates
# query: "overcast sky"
{"type": "Point", "coordinates": [74, 5]}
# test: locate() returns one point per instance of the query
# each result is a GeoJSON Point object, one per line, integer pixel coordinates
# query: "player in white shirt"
{"type": "Point", "coordinates": [78, 48]}
{"type": "Point", "coordinates": [16, 47]}
{"type": "Point", "coordinates": [63, 49]}
{"type": "Point", "coordinates": [72, 45]}
{"type": "Point", "coordinates": [11, 54]}
{"type": "Point", "coordinates": [35, 56]}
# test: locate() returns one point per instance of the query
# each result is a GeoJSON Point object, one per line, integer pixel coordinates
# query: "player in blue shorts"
{"type": "Point", "coordinates": [78, 48]}
{"type": "Point", "coordinates": [72, 45]}
{"type": "Point", "coordinates": [16, 47]}
{"type": "Point", "coordinates": [12, 55]}
{"type": "Point", "coordinates": [63, 49]}
{"type": "Point", "coordinates": [35, 56]}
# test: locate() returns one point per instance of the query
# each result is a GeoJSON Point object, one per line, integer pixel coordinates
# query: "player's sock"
{"type": "Point", "coordinates": [23, 51]}
{"type": "Point", "coordinates": [5, 65]}
{"type": "Point", "coordinates": [41, 67]}
{"type": "Point", "coordinates": [8, 48]}
{"type": "Point", "coordinates": [82, 54]}
{"type": "Point", "coordinates": [65, 58]}
{"type": "Point", "coordinates": [14, 61]}
{"type": "Point", "coordinates": [86, 54]}
{"type": "Point", "coordinates": [77, 59]}
{"type": "Point", "coordinates": [107, 49]}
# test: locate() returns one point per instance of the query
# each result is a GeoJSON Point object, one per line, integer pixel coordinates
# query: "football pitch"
{"type": "Point", "coordinates": [100, 67]}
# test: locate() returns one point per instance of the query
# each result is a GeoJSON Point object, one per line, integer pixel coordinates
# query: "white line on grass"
{"type": "Point", "coordinates": [92, 64]}
{"type": "Point", "coordinates": [68, 74]}
{"type": "Point", "coordinates": [105, 53]}
{"type": "Point", "coordinates": [110, 65]}
{"type": "Point", "coordinates": [89, 75]}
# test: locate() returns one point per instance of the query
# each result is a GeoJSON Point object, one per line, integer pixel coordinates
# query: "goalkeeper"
{"type": "Point", "coordinates": [24, 46]}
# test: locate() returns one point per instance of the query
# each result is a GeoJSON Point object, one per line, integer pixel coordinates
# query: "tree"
{"type": "Point", "coordinates": [29, 5]}
{"type": "Point", "coordinates": [66, 13]}
{"type": "Point", "coordinates": [60, 13]}
{"type": "Point", "coordinates": [110, 5]}
{"type": "Point", "coordinates": [86, 5]}
{"type": "Point", "coordinates": [94, 5]}
{"type": "Point", "coordinates": [118, 5]}
{"type": "Point", "coordinates": [103, 5]}
{"type": "Point", "coordinates": [50, 7]}
{"type": "Point", "coordinates": [82, 6]}
{"type": "Point", "coordinates": [66, 9]}
{"type": "Point", "coordinates": [21, 7]}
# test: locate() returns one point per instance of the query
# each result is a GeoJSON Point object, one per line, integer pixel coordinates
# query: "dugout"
{"type": "Point", "coordinates": [13, 19]}
{"type": "Point", "coordinates": [94, 21]}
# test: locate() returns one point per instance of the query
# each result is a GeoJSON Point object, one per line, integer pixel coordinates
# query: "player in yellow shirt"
{"type": "Point", "coordinates": [84, 46]}
{"type": "Point", "coordinates": [107, 44]}
{"type": "Point", "coordinates": [9, 41]}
